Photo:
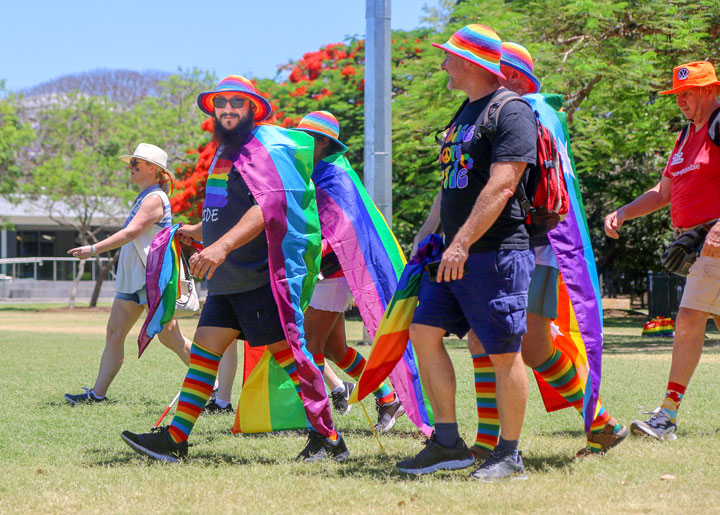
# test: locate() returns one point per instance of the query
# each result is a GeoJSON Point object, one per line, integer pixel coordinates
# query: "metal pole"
{"type": "Point", "coordinates": [378, 111]}
{"type": "Point", "coordinates": [3, 249]}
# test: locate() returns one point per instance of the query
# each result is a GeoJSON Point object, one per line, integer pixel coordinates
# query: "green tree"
{"type": "Point", "coordinates": [15, 138]}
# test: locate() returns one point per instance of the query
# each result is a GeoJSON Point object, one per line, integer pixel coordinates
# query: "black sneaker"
{"type": "Point", "coordinates": [157, 444]}
{"type": "Point", "coordinates": [212, 407]}
{"type": "Point", "coordinates": [500, 465]}
{"type": "Point", "coordinates": [320, 447]}
{"type": "Point", "coordinates": [340, 399]}
{"type": "Point", "coordinates": [83, 398]}
{"type": "Point", "coordinates": [436, 457]}
{"type": "Point", "coordinates": [388, 414]}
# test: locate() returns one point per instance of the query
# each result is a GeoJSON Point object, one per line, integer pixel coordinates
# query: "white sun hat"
{"type": "Point", "coordinates": [151, 154]}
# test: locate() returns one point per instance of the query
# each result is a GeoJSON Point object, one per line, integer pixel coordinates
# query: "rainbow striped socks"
{"type": "Point", "coordinates": [673, 396]}
{"type": "Point", "coordinates": [196, 391]}
{"type": "Point", "coordinates": [286, 360]}
{"type": "Point", "coordinates": [353, 365]}
{"type": "Point", "coordinates": [561, 374]}
{"type": "Point", "coordinates": [488, 428]}
{"type": "Point", "coordinates": [319, 361]}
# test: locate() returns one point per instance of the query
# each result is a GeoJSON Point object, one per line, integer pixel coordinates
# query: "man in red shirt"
{"type": "Point", "coordinates": [691, 185]}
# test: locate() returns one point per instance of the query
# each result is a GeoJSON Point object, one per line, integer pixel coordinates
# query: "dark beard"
{"type": "Point", "coordinates": [232, 139]}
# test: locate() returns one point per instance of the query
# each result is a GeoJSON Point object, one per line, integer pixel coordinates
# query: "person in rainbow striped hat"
{"type": "Point", "coordinates": [325, 321]}
{"type": "Point", "coordinates": [538, 349]}
{"type": "Point", "coordinates": [482, 281]}
{"type": "Point", "coordinates": [261, 236]}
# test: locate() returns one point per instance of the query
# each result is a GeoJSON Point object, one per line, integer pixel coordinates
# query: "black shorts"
{"type": "Point", "coordinates": [254, 313]}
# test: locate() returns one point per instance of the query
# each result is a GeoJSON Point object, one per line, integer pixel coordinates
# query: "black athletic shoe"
{"type": "Point", "coordinates": [340, 399]}
{"type": "Point", "coordinates": [83, 398]}
{"type": "Point", "coordinates": [500, 465]}
{"type": "Point", "coordinates": [435, 457]}
{"type": "Point", "coordinates": [157, 444]}
{"type": "Point", "coordinates": [388, 414]}
{"type": "Point", "coordinates": [320, 447]}
{"type": "Point", "coordinates": [212, 407]}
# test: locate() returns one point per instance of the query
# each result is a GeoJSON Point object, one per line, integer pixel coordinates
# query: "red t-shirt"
{"type": "Point", "coordinates": [326, 250]}
{"type": "Point", "coordinates": [694, 168]}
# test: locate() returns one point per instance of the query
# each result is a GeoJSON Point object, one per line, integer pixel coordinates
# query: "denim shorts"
{"type": "Point", "coordinates": [253, 313]}
{"type": "Point", "coordinates": [491, 299]}
{"type": "Point", "coordinates": [543, 292]}
{"type": "Point", "coordinates": [139, 297]}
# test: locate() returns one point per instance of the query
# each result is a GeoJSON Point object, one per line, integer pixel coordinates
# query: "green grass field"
{"type": "Point", "coordinates": [58, 458]}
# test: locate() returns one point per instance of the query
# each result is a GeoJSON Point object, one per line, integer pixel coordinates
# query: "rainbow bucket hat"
{"type": "Point", "coordinates": [243, 87]}
{"type": "Point", "coordinates": [518, 58]}
{"type": "Point", "coordinates": [478, 44]}
{"type": "Point", "coordinates": [324, 123]}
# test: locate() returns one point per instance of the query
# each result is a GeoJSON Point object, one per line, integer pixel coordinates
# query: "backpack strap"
{"type": "Point", "coordinates": [488, 119]}
{"type": "Point", "coordinates": [714, 127]}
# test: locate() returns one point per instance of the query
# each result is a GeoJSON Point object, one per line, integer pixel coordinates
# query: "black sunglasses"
{"type": "Point", "coordinates": [235, 102]}
{"type": "Point", "coordinates": [133, 163]}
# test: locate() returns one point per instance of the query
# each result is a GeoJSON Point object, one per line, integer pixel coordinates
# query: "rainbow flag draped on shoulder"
{"type": "Point", "coordinates": [276, 165]}
{"type": "Point", "coordinates": [162, 272]}
{"type": "Point", "coordinates": [391, 347]}
{"type": "Point", "coordinates": [372, 262]}
{"type": "Point", "coordinates": [578, 328]}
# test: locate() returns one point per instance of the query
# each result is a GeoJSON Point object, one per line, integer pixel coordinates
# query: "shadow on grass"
{"type": "Point", "coordinates": [613, 344]}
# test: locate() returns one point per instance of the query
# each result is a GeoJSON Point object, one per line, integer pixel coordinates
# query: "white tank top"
{"type": "Point", "coordinates": [130, 275]}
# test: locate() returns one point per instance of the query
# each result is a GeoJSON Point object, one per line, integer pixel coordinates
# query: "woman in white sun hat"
{"type": "Point", "coordinates": [150, 213]}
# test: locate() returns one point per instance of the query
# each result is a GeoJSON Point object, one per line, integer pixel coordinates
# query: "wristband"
{"type": "Point", "coordinates": [93, 252]}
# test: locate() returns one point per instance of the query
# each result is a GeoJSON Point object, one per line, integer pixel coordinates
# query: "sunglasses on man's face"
{"type": "Point", "coordinates": [133, 163]}
{"type": "Point", "coordinates": [235, 102]}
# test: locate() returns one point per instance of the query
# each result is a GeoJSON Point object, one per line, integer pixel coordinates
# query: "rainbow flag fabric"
{"type": "Point", "coordinates": [578, 329]}
{"type": "Point", "coordinates": [372, 262]}
{"type": "Point", "coordinates": [276, 164]}
{"type": "Point", "coordinates": [162, 272]}
{"type": "Point", "coordinates": [390, 346]}
{"type": "Point", "coordinates": [659, 326]}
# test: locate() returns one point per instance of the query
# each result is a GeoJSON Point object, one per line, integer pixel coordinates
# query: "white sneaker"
{"type": "Point", "coordinates": [658, 426]}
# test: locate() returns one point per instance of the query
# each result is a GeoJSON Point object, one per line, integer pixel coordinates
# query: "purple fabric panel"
{"type": "Point", "coordinates": [567, 244]}
{"type": "Point", "coordinates": [263, 179]}
{"type": "Point", "coordinates": [153, 267]}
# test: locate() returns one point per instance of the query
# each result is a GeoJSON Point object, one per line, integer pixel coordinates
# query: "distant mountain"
{"type": "Point", "coordinates": [127, 87]}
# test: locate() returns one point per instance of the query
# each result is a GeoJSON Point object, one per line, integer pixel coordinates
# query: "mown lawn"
{"type": "Point", "coordinates": [58, 458]}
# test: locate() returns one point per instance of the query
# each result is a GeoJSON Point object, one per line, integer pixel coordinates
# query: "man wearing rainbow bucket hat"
{"type": "Point", "coordinates": [538, 349]}
{"type": "Point", "coordinates": [690, 183]}
{"type": "Point", "coordinates": [482, 280]}
{"type": "Point", "coordinates": [261, 255]}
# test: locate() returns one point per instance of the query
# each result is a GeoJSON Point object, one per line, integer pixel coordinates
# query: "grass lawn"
{"type": "Point", "coordinates": [58, 458]}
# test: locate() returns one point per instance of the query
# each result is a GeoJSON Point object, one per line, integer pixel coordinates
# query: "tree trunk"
{"type": "Point", "coordinates": [76, 282]}
{"type": "Point", "coordinates": [104, 271]}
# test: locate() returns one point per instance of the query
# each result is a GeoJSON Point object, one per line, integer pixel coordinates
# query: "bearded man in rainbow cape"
{"type": "Point", "coordinates": [261, 257]}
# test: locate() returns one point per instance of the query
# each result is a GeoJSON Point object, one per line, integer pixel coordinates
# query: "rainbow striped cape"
{"type": "Point", "coordinates": [276, 164]}
{"type": "Point", "coordinates": [391, 347]}
{"type": "Point", "coordinates": [372, 262]}
{"type": "Point", "coordinates": [162, 272]}
{"type": "Point", "coordinates": [578, 328]}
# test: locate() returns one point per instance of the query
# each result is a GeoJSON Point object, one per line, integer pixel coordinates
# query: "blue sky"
{"type": "Point", "coordinates": [47, 39]}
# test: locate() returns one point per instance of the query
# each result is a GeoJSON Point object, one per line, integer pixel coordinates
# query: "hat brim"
{"type": "Point", "coordinates": [263, 109]}
{"type": "Point", "coordinates": [688, 86]}
{"type": "Point", "coordinates": [127, 158]}
{"type": "Point", "coordinates": [342, 145]}
{"type": "Point", "coordinates": [529, 76]}
{"type": "Point", "coordinates": [477, 62]}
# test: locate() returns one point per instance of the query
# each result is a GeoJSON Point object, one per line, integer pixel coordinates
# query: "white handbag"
{"type": "Point", "coordinates": [188, 301]}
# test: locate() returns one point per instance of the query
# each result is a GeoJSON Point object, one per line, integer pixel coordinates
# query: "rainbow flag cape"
{"type": "Point", "coordinates": [276, 164]}
{"type": "Point", "coordinates": [390, 345]}
{"type": "Point", "coordinates": [372, 262]}
{"type": "Point", "coordinates": [578, 329]}
{"type": "Point", "coordinates": [162, 284]}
